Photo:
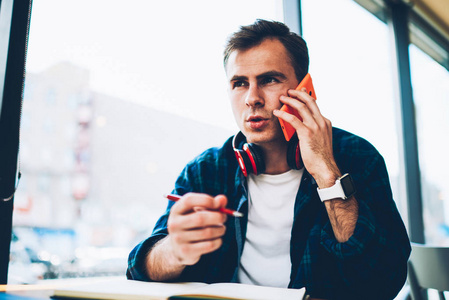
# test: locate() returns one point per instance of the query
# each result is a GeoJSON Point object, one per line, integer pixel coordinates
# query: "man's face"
{"type": "Point", "coordinates": [257, 78]}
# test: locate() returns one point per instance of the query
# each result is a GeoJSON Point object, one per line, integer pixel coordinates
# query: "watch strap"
{"type": "Point", "coordinates": [333, 192]}
{"type": "Point", "coordinates": [342, 189]}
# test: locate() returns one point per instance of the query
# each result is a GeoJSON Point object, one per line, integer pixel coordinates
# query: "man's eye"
{"type": "Point", "coordinates": [269, 80]}
{"type": "Point", "coordinates": [237, 84]}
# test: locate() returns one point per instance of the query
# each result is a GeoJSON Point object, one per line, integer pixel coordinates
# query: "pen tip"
{"type": "Point", "coordinates": [237, 214]}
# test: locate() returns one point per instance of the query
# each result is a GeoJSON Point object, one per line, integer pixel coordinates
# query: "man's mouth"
{"type": "Point", "coordinates": [256, 119]}
{"type": "Point", "coordinates": [257, 122]}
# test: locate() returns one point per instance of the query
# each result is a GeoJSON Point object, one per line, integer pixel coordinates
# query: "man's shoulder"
{"type": "Point", "coordinates": [215, 155]}
{"type": "Point", "coordinates": [355, 154]}
{"type": "Point", "coordinates": [211, 172]}
{"type": "Point", "coordinates": [345, 142]}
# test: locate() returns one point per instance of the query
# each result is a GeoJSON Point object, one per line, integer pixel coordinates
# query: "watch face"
{"type": "Point", "coordinates": [348, 185]}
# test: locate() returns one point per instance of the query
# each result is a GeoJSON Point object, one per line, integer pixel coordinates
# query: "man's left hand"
{"type": "Point", "coordinates": [315, 136]}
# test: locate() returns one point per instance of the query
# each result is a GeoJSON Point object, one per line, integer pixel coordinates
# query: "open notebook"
{"type": "Point", "coordinates": [122, 289]}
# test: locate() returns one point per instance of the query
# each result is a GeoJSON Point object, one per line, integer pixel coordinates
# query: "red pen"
{"type": "Point", "coordinates": [221, 209]}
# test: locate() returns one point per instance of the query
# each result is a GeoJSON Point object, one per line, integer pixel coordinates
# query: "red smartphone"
{"type": "Point", "coordinates": [288, 129]}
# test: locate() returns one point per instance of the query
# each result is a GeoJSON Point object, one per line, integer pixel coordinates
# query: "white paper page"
{"type": "Point", "coordinates": [127, 289]}
{"type": "Point", "coordinates": [249, 292]}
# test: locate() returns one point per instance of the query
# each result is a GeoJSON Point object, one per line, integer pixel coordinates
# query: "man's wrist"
{"type": "Point", "coordinates": [343, 189]}
{"type": "Point", "coordinates": [328, 178]}
{"type": "Point", "coordinates": [162, 263]}
{"type": "Point", "coordinates": [171, 258]}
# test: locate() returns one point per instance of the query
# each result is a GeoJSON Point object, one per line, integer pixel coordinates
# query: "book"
{"type": "Point", "coordinates": [122, 289]}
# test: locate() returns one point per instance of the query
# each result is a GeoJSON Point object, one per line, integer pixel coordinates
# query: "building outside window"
{"type": "Point", "coordinates": [113, 110]}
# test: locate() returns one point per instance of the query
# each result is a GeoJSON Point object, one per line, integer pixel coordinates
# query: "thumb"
{"type": "Point", "coordinates": [220, 201]}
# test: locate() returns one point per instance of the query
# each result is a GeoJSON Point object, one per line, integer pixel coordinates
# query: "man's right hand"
{"type": "Point", "coordinates": [195, 227]}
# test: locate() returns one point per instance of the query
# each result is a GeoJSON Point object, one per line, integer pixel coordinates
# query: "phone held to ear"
{"type": "Point", "coordinates": [288, 129]}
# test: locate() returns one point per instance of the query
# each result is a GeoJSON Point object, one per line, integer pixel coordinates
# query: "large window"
{"type": "Point", "coordinates": [431, 95]}
{"type": "Point", "coordinates": [118, 97]}
{"type": "Point", "coordinates": [351, 68]}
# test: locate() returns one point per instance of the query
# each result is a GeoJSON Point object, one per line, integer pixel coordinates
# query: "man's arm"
{"type": "Point", "coordinates": [315, 138]}
{"type": "Point", "coordinates": [367, 236]}
{"type": "Point", "coordinates": [195, 228]}
{"type": "Point", "coordinates": [342, 214]}
{"type": "Point", "coordinates": [377, 252]}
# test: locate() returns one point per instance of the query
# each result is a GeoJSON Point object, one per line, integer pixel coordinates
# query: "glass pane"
{"type": "Point", "coordinates": [119, 96]}
{"type": "Point", "coordinates": [431, 95]}
{"type": "Point", "coordinates": [352, 73]}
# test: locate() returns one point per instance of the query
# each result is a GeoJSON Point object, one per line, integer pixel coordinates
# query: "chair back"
{"type": "Point", "coordinates": [428, 269]}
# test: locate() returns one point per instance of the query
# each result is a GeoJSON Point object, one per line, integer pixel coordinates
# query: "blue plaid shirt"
{"type": "Point", "coordinates": [372, 264]}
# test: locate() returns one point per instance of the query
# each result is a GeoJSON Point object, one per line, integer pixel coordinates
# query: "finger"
{"type": "Point", "coordinates": [207, 246]}
{"type": "Point", "coordinates": [302, 93]}
{"type": "Point", "coordinates": [194, 220]}
{"type": "Point", "coordinates": [194, 250]}
{"type": "Point", "coordinates": [289, 118]}
{"type": "Point", "coordinates": [221, 201]}
{"type": "Point", "coordinates": [198, 209]}
{"type": "Point", "coordinates": [313, 108]}
{"type": "Point", "coordinates": [304, 97]}
{"type": "Point", "coordinates": [199, 235]}
{"type": "Point", "coordinates": [300, 107]}
{"type": "Point", "coordinates": [187, 203]}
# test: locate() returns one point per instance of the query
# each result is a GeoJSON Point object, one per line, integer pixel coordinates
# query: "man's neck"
{"type": "Point", "coordinates": [275, 156]}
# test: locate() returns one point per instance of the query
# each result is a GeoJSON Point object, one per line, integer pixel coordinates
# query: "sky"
{"type": "Point", "coordinates": [168, 55]}
{"type": "Point", "coordinates": [163, 54]}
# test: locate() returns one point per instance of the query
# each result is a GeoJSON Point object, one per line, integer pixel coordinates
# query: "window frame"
{"type": "Point", "coordinates": [407, 26]}
{"type": "Point", "coordinates": [14, 28]}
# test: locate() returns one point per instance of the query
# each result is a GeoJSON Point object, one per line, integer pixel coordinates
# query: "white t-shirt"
{"type": "Point", "coordinates": [266, 253]}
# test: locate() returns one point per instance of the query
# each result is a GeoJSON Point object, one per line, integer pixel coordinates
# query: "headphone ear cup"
{"type": "Point", "coordinates": [241, 156]}
{"type": "Point", "coordinates": [244, 162]}
{"type": "Point", "coordinates": [255, 154]}
{"type": "Point", "coordinates": [294, 158]}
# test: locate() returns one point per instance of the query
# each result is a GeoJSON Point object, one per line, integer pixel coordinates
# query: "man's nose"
{"type": "Point", "coordinates": [254, 97]}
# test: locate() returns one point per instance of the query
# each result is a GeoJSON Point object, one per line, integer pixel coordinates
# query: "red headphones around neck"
{"type": "Point", "coordinates": [251, 160]}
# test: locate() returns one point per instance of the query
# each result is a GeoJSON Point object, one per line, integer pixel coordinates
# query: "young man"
{"type": "Point", "coordinates": [297, 231]}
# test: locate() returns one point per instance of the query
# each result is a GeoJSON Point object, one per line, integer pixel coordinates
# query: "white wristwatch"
{"type": "Point", "coordinates": [342, 189]}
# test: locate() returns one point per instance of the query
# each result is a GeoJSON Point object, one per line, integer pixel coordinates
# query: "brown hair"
{"type": "Point", "coordinates": [252, 35]}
